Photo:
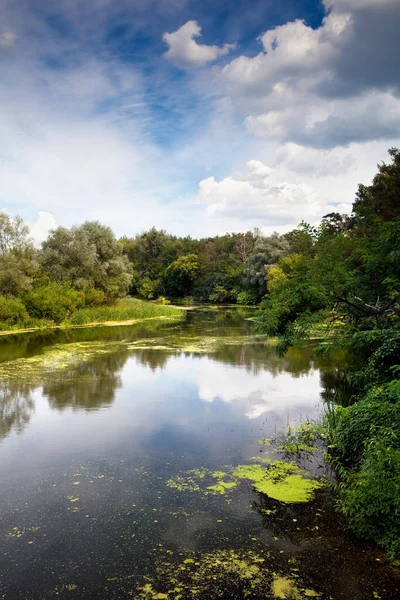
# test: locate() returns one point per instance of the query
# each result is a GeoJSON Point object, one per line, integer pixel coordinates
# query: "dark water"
{"type": "Point", "coordinates": [97, 426]}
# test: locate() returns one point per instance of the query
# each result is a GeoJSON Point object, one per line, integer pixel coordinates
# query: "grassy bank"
{"type": "Point", "coordinates": [125, 310]}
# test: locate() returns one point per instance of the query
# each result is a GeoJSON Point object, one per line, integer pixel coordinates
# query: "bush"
{"type": "Point", "coordinates": [94, 297]}
{"type": "Point", "coordinates": [247, 297]}
{"type": "Point", "coordinates": [54, 302]}
{"type": "Point", "coordinates": [365, 451]}
{"type": "Point", "coordinates": [149, 288]}
{"type": "Point", "coordinates": [222, 294]}
{"type": "Point", "coordinates": [353, 428]}
{"type": "Point", "coordinates": [12, 311]}
{"type": "Point", "coordinates": [371, 498]}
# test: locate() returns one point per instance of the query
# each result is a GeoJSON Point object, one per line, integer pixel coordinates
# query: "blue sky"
{"type": "Point", "coordinates": [199, 117]}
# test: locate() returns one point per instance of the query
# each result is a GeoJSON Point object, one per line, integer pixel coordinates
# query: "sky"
{"type": "Point", "coordinates": [196, 116]}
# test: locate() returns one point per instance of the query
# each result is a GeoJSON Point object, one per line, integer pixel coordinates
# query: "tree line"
{"type": "Point", "coordinates": [86, 266]}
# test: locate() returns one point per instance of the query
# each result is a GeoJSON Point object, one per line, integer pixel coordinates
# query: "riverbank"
{"type": "Point", "coordinates": [127, 311]}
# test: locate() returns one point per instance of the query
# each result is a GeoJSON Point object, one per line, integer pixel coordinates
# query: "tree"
{"type": "Point", "coordinates": [266, 252]}
{"type": "Point", "coordinates": [18, 266]}
{"type": "Point", "coordinates": [180, 275]}
{"type": "Point", "coordinates": [88, 256]}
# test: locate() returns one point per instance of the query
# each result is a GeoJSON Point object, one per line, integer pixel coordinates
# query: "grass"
{"type": "Point", "coordinates": [127, 309]}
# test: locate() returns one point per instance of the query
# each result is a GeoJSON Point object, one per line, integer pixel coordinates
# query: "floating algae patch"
{"type": "Point", "coordinates": [285, 588]}
{"type": "Point", "coordinates": [280, 480]}
{"type": "Point", "coordinates": [57, 359]}
{"type": "Point", "coordinates": [214, 575]}
{"type": "Point", "coordinates": [194, 344]}
{"type": "Point", "coordinates": [196, 480]}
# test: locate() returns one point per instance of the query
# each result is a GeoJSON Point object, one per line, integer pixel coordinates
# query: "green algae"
{"type": "Point", "coordinates": [209, 576]}
{"type": "Point", "coordinates": [59, 358]}
{"type": "Point", "coordinates": [284, 588]}
{"type": "Point", "coordinates": [222, 487]}
{"type": "Point", "coordinates": [224, 573]}
{"type": "Point", "coordinates": [279, 480]}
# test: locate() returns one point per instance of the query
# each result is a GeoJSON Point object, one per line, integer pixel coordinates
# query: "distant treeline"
{"type": "Point", "coordinates": [87, 266]}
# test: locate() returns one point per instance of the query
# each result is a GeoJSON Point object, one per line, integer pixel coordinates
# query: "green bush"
{"type": "Point", "coordinates": [370, 498]}
{"type": "Point", "coordinates": [247, 297]}
{"type": "Point", "coordinates": [353, 428]}
{"type": "Point", "coordinates": [364, 448]}
{"type": "Point", "coordinates": [13, 311]}
{"type": "Point", "coordinates": [149, 288]}
{"type": "Point", "coordinates": [222, 294]}
{"type": "Point", "coordinates": [53, 302]}
{"type": "Point", "coordinates": [94, 297]}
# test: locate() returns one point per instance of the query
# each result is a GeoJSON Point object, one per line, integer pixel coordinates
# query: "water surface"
{"type": "Point", "coordinates": [97, 427]}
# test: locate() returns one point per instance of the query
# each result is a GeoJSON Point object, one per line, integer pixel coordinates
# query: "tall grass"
{"type": "Point", "coordinates": [123, 310]}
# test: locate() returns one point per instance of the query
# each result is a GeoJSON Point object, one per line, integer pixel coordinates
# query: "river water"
{"type": "Point", "coordinates": [119, 455]}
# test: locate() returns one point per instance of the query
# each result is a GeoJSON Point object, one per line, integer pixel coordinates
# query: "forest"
{"type": "Point", "coordinates": [86, 266]}
{"type": "Point", "coordinates": [338, 282]}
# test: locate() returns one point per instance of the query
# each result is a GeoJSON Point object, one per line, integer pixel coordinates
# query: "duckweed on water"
{"type": "Point", "coordinates": [222, 574]}
{"type": "Point", "coordinates": [282, 481]}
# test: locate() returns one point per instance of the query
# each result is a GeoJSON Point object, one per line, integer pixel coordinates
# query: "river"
{"type": "Point", "coordinates": [130, 459]}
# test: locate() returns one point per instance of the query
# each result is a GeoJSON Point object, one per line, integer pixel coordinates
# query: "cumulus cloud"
{"type": "Point", "coordinates": [327, 86]}
{"type": "Point", "coordinates": [336, 123]}
{"type": "Point", "coordinates": [259, 192]}
{"type": "Point", "coordinates": [40, 229]}
{"type": "Point", "coordinates": [186, 53]}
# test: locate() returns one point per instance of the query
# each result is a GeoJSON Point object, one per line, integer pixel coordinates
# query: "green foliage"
{"type": "Point", "coordinates": [370, 497]}
{"type": "Point", "coordinates": [247, 297]}
{"type": "Point", "coordinates": [149, 288]}
{"type": "Point", "coordinates": [180, 275]}
{"type": "Point", "coordinates": [18, 266]}
{"type": "Point", "coordinates": [355, 426]}
{"type": "Point", "coordinates": [348, 270]}
{"type": "Point", "coordinates": [53, 302]}
{"type": "Point", "coordinates": [123, 310]}
{"type": "Point", "coordinates": [12, 311]}
{"type": "Point", "coordinates": [94, 297]}
{"type": "Point", "coordinates": [221, 294]}
{"type": "Point", "coordinates": [88, 256]}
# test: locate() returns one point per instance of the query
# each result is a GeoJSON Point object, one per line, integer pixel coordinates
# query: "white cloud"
{"type": "Point", "coordinates": [328, 86]}
{"type": "Point", "coordinates": [186, 53]}
{"type": "Point", "coordinates": [40, 229]}
{"type": "Point", "coordinates": [260, 191]}
{"type": "Point", "coordinates": [331, 123]}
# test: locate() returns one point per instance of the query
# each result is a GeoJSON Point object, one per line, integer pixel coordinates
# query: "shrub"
{"type": "Point", "coordinates": [94, 297]}
{"type": "Point", "coordinates": [353, 428]}
{"type": "Point", "coordinates": [12, 311]}
{"type": "Point", "coordinates": [370, 498]}
{"type": "Point", "coordinates": [247, 297]}
{"type": "Point", "coordinates": [54, 302]}
{"type": "Point", "coordinates": [221, 294]}
{"type": "Point", "coordinates": [149, 288]}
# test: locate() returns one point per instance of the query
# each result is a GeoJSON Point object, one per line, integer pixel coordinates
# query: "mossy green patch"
{"type": "Point", "coordinates": [280, 480]}
{"type": "Point", "coordinates": [222, 487]}
{"type": "Point", "coordinates": [210, 576]}
{"type": "Point", "coordinates": [284, 588]}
